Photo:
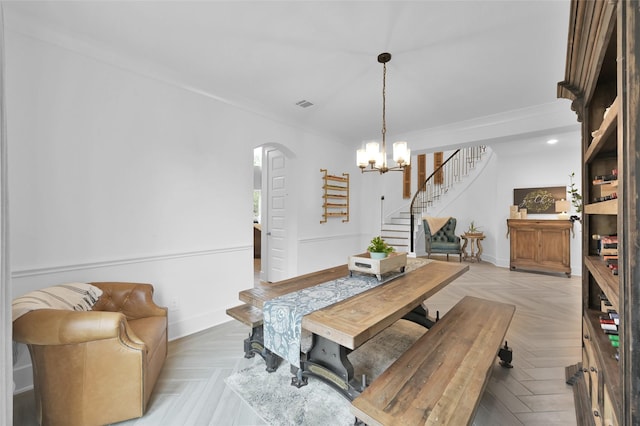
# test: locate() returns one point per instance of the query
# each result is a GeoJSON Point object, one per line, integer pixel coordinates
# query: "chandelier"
{"type": "Point", "coordinates": [371, 156]}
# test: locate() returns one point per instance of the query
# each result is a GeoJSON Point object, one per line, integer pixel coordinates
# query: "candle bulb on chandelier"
{"type": "Point", "coordinates": [401, 154]}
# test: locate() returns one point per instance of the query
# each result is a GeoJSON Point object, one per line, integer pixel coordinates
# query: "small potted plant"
{"type": "Point", "coordinates": [473, 230]}
{"type": "Point", "coordinates": [576, 198]}
{"type": "Point", "coordinates": [379, 249]}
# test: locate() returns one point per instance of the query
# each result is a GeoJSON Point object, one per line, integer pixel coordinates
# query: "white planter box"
{"type": "Point", "coordinates": [364, 263]}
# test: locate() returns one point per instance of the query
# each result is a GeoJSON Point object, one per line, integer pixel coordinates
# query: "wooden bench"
{"type": "Point", "coordinates": [439, 380]}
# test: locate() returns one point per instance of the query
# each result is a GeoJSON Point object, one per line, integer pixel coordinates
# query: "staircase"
{"type": "Point", "coordinates": [399, 229]}
{"type": "Point", "coordinates": [396, 231]}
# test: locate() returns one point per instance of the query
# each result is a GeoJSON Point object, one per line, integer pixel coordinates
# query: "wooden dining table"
{"type": "Point", "coordinates": [344, 326]}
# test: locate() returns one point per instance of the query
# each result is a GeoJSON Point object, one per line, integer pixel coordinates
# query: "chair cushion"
{"type": "Point", "coordinates": [445, 247]}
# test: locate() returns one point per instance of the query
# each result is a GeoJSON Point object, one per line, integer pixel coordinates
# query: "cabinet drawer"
{"type": "Point", "coordinates": [592, 374]}
{"type": "Point", "coordinates": [608, 412]}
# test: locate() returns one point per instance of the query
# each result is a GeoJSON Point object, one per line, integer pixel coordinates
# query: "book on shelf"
{"type": "Point", "coordinates": [615, 317]}
{"type": "Point", "coordinates": [608, 327]}
{"type": "Point", "coordinates": [612, 264]}
{"type": "Point", "coordinates": [612, 196]}
{"type": "Point", "coordinates": [606, 241]}
{"type": "Point", "coordinates": [602, 179]}
{"type": "Point", "coordinates": [605, 304]}
{"type": "Point", "coordinates": [609, 321]}
{"type": "Point", "coordinates": [608, 252]}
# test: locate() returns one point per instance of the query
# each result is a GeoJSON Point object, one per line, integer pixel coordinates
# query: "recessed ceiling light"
{"type": "Point", "coordinates": [552, 141]}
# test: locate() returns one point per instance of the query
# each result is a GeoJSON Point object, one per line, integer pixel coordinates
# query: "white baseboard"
{"type": "Point", "coordinates": [22, 379]}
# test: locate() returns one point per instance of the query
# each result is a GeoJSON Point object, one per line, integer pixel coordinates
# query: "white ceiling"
{"type": "Point", "coordinates": [452, 60]}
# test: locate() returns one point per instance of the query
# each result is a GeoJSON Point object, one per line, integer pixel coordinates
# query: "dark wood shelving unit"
{"type": "Point", "coordinates": [602, 81]}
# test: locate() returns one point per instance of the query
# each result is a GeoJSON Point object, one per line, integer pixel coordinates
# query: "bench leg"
{"type": "Point", "coordinates": [506, 356]}
{"type": "Point", "coordinates": [328, 361]}
{"type": "Point", "coordinates": [254, 344]}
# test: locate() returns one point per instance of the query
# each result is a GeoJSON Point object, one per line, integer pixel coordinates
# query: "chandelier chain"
{"type": "Point", "coordinates": [384, 107]}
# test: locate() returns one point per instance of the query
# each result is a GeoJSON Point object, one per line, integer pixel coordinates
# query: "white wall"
{"type": "Point", "coordinates": [119, 175]}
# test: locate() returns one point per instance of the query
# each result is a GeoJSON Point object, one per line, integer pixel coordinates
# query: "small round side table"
{"type": "Point", "coordinates": [474, 246]}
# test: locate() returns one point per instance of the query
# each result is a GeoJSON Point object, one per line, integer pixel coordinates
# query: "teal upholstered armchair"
{"type": "Point", "coordinates": [443, 241]}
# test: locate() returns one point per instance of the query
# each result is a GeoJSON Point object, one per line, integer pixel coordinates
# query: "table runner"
{"type": "Point", "coordinates": [283, 315]}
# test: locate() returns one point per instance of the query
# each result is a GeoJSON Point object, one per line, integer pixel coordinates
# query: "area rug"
{"type": "Point", "coordinates": [318, 404]}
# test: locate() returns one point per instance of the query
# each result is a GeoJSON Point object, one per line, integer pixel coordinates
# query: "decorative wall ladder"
{"type": "Point", "coordinates": [401, 230]}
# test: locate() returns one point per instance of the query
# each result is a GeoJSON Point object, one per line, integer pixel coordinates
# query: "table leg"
{"type": "Point", "coordinates": [328, 361]}
{"type": "Point", "coordinates": [479, 249]}
{"type": "Point", "coordinates": [464, 249]}
{"type": "Point", "coordinates": [419, 316]}
{"type": "Point", "coordinates": [254, 344]}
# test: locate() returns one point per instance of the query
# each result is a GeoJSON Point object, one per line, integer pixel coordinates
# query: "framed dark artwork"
{"type": "Point", "coordinates": [539, 200]}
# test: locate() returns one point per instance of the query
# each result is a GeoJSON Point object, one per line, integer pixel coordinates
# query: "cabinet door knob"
{"type": "Point", "coordinates": [596, 413]}
{"type": "Point", "coordinates": [595, 370]}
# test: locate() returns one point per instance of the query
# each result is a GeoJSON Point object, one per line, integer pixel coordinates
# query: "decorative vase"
{"type": "Point", "coordinates": [377, 255]}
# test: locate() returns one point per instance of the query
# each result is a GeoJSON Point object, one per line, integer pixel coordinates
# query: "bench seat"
{"type": "Point", "coordinates": [440, 378]}
{"type": "Point", "coordinates": [246, 314]}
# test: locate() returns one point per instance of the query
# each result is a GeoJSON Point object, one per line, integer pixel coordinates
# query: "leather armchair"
{"type": "Point", "coordinates": [443, 241]}
{"type": "Point", "coordinates": [100, 366]}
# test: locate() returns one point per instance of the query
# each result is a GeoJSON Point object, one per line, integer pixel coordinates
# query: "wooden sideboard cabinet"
{"type": "Point", "coordinates": [540, 245]}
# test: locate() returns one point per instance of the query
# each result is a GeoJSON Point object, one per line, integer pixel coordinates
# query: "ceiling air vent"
{"type": "Point", "coordinates": [304, 104]}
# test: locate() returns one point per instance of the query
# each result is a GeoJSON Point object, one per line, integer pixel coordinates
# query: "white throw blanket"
{"type": "Point", "coordinates": [71, 296]}
{"type": "Point", "coordinates": [436, 223]}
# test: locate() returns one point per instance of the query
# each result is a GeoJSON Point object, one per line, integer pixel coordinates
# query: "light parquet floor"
{"type": "Point", "coordinates": [545, 336]}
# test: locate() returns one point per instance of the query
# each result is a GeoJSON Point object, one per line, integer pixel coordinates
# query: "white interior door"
{"type": "Point", "coordinates": [275, 238]}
